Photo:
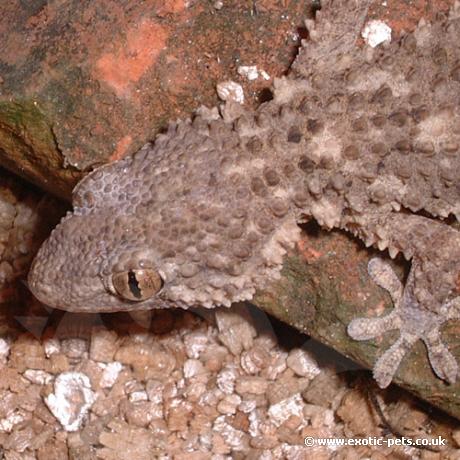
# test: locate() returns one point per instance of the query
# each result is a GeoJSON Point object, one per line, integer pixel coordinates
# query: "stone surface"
{"type": "Point", "coordinates": [84, 84]}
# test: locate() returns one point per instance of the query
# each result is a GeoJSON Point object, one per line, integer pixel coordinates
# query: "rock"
{"type": "Point", "coordinates": [81, 85]}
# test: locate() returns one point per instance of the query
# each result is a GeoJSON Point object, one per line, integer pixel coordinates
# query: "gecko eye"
{"type": "Point", "coordinates": [137, 285]}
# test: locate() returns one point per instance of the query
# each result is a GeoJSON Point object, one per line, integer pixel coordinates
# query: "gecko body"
{"type": "Point", "coordinates": [358, 139]}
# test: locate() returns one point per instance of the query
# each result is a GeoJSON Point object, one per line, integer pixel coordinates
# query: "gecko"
{"type": "Point", "coordinates": [359, 139]}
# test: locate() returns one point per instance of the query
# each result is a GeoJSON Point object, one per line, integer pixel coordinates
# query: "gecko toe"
{"type": "Point", "coordinates": [384, 276]}
{"type": "Point", "coordinates": [369, 328]}
{"type": "Point", "coordinates": [441, 359]}
{"type": "Point", "coordinates": [387, 365]}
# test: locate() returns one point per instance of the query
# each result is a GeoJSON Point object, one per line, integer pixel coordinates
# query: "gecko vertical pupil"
{"type": "Point", "coordinates": [134, 285]}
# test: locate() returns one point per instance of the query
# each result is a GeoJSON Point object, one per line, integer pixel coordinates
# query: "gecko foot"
{"type": "Point", "coordinates": [413, 321]}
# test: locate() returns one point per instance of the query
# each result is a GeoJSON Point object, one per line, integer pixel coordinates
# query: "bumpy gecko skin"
{"type": "Point", "coordinates": [366, 140]}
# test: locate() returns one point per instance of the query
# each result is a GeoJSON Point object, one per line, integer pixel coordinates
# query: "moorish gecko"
{"type": "Point", "coordinates": [366, 140]}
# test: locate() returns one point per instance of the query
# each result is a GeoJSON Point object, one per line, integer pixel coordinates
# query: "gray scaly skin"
{"type": "Point", "coordinates": [359, 139]}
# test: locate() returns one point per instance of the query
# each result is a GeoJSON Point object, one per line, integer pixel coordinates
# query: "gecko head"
{"type": "Point", "coordinates": [101, 261]}
{"type": "Point", "coordinates": [96, 263]}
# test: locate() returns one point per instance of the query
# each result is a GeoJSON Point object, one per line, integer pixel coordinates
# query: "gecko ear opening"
{"type": "Point", "coordinates": [137, 285]}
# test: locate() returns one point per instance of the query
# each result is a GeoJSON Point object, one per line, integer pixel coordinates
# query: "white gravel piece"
{"type": "Point", "coordinates": [38, 377]}
{"type": "Point", "coordinates": [71, 400]}
{"type": "Point", "coordinates": [230, 91]}
{"type": "Point", "coordinates": [376, 32]}
{"type": "Point", "coordinates": [110, 374]}
{"type": "Point", "coordinates": [280, 412]}
{"type": "Point", "coordinates": [302, 363]}
{"type": "Point", "coordinates": [248, 71]}
{"type": "Point", "coordinates": [4, 350]}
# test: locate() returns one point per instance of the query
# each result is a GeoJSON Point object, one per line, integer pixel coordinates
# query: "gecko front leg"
{"type": "Point", "coordinates": [413, 321]}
